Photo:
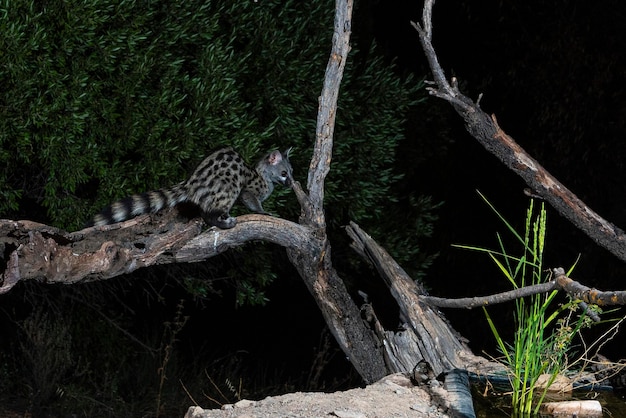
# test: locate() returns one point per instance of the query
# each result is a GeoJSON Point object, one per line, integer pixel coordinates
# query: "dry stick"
{"type": "Point", "coordinates": [588, 294]}
{"type": "Point", "coordinates": [187, 392]}
{"type": "Point", "coordinates": [588, 355]}
{"type": "Point", "coordinates": [574, 289]}
{"type": "Point", "coordinates": [478, 301]}
{"type": "Point", "coordinates": [320, 162]}
{"type": "Point", "coordinates": [486, 130]}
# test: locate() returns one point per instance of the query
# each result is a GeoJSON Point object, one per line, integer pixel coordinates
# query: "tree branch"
{"type": "Point", "coordinates": [320, 163]}
{"type": "Point", "coordinates": [315, 265]}
{"type": "Point", "coordinates": [486, 130]}
{"type": "Point", "coordinates": [424, 334]}
{"type": "Point", "coordinates": [588, 294]}
{"type": "Point", "coordinates": [478, 301]}
{"type": "Point", "coordinates": [574, 289]}
{"type": "Point", "coordinates": [41, 252]}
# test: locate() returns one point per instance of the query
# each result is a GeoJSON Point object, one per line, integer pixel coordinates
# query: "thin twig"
{"type": "Point", "coordinates": [476, 302]}
{"type": "Point", "coordinates": [187, 392]}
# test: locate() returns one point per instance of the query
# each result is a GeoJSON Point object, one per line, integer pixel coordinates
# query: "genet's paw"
{"type": "Point", "coordinates": [225, 223]}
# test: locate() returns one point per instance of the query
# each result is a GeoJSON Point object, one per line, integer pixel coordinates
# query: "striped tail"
{"type": "Point", "coordinates": [138, 204]}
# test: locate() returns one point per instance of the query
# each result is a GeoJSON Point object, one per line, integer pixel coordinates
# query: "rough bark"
{"type": "Point", "coordinates": [588, 294]}
{"type": "Point", "coordinates": [40, 252]}
{"type": "Point", "coordinates": [426, 335]}
{"type": "Point", "coordinates": [339, 310]}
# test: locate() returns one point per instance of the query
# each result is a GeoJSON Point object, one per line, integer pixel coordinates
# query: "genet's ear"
{"type": "Point", "coordinates": [287, 152]}
{"type": "Point", "coordinates": [274, 157]}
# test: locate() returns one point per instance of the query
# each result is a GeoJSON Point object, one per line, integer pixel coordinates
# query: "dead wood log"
{"type": "Point", "coordinates": [40, 252]}
{"type": "Point", "coordinates": [426, 335]}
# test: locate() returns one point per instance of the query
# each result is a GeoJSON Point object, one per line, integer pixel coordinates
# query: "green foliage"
{"type": "Point", "coordinates": [368, 131]}
{"type": "Point", "coordinates": [412, 219]}
{"type": "Point", "coordinates": [117, 93]}
{"type": "Point", "coordinates": [544, 334]}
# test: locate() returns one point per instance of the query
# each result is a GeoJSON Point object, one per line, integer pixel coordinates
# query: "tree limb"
{"type": "Point", "coordinates": [486, 130]}
{"type": "Point", "coordinates": [588, 294]}
{"type": "Point", "coordinates": [41, 252]}
{"type": "Point", "coordinates": [315, 266]}
{"type": "Point", "coordinates": [424, 334]}
{"type": "Point", "coordinates": [573, 288]}
{"type": "Point", "coordinates": [478, 301]}
{"type": "Point", "coordinates": [320, 163]}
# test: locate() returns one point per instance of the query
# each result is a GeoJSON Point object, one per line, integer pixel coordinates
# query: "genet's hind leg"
{"type": "Point", "coordinates": [221, 220]}
{"type": "Point", "coordinates": [217, 200]}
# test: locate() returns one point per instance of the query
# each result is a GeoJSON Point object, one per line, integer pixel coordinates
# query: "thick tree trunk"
{"type": "Point", "coordinates": [340, 312]}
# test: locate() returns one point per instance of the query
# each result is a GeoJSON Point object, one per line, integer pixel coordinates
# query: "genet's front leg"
{"type": "Point", "coordinates": [252, 202]}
